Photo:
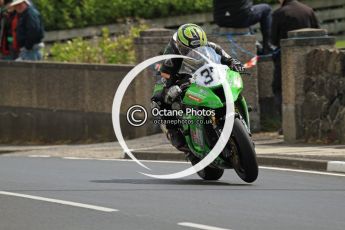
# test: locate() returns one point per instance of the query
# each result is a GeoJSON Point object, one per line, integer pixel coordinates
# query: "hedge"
{"type": "Point", "coordinates": [104, 49]}
{"type": "Point", "coordinates": [67, 14]}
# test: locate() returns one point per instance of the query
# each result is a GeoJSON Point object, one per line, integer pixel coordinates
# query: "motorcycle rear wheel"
{"type": "Point", "coordinates": [208, 173]}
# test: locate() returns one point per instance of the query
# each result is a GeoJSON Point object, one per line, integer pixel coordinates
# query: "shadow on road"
{"type": "Point", "coordinates": [168, 182]}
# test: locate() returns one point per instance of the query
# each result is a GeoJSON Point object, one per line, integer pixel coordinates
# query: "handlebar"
{"type": "Point", "coordinates": [245, 73]}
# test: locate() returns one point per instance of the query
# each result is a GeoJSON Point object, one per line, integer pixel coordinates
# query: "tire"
{"type": "Point", "coordinates": [211, 174]}
{"type": "Point", "coordinates": [244, 157]}
{"type": "Point", "coordinates": [208, 173]}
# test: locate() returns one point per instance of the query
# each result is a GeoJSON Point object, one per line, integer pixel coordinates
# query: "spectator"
{"type": "Point", "coordinates": [30, 30]}
{"type": "Point", "coordinates": [2, 23]}
{"type": "Point", "coordinates": [292, 15]}
{"type": "Point", "coordinates": [9, 46]}
{"type": "Point", "coordinates": [242, 13]}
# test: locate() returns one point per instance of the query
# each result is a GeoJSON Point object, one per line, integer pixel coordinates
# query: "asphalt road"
{"type": "Point", "coordinates": [123, 199]}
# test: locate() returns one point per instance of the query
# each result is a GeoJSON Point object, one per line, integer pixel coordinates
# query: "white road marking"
{"type": "Point", "coordinates": [63, 202]}
{"type": "Point", "coordinates": [304, 171]}
{"type": "Point", "coordinates": [77, 158]}
{"type": "Point", "coordinates": [200, 226]}
{"type": "Point", "coordinates": [336, 166]}
{"type": "Point", "coordinates": [39, 156]}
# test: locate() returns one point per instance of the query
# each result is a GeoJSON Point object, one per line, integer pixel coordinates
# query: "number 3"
{"type": "Point", "coordinates": [206, 73]}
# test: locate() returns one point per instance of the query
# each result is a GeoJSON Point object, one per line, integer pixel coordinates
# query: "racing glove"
{"type": "Point", "coordinates": [172, 93]}
{"type": "Point", "coordinates": [235, 65]}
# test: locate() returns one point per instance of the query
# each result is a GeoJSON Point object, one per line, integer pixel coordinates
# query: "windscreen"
{"type": "Point", "coordinates": [199, 57]}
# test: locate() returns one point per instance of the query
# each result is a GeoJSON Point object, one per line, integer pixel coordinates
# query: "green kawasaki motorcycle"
{"type": "Point", "coordinates": [202, 91]}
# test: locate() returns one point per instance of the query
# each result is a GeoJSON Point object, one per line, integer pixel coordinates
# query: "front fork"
{"type": "Point", "coordinates": [242, 106]}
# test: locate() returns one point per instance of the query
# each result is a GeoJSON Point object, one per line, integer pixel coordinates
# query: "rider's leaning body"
{"type": "Point", "coordinates": [187, 37]}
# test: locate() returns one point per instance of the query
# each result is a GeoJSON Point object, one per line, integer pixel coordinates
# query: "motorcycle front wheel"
{"type": "Point", "coordinates": [243, 154]}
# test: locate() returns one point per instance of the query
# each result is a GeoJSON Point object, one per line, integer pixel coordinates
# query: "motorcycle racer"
{"type": "Point", "coordinates": [187, 37]}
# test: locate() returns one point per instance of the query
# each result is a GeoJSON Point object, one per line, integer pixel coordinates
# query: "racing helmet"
{"type": "Point", "coordinates": [190, 36]}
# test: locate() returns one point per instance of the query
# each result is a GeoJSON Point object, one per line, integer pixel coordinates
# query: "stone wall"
{"type": "Point", "coordinates": [294, 57]}
{"type": "Point", "coordinates": [50, 102]}
{"type": "Point", "coordinates": [268, 113]}
{"type": "Point", "coordinates": [324, 104]}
